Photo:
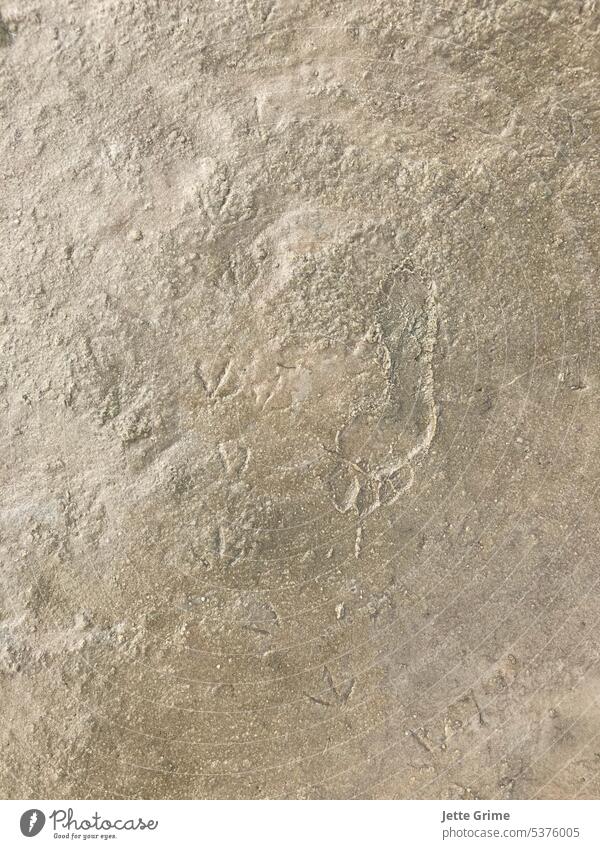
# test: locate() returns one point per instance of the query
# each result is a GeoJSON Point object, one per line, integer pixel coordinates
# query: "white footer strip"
{"type": "Point", "coordinates": [282, 824]}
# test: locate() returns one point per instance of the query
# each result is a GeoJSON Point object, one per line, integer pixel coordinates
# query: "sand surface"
{"type": "Point", "coordinates": [299, 399]}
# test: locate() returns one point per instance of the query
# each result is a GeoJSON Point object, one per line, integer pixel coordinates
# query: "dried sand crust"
{"type": "Point", "coordinates": [299, 398]}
